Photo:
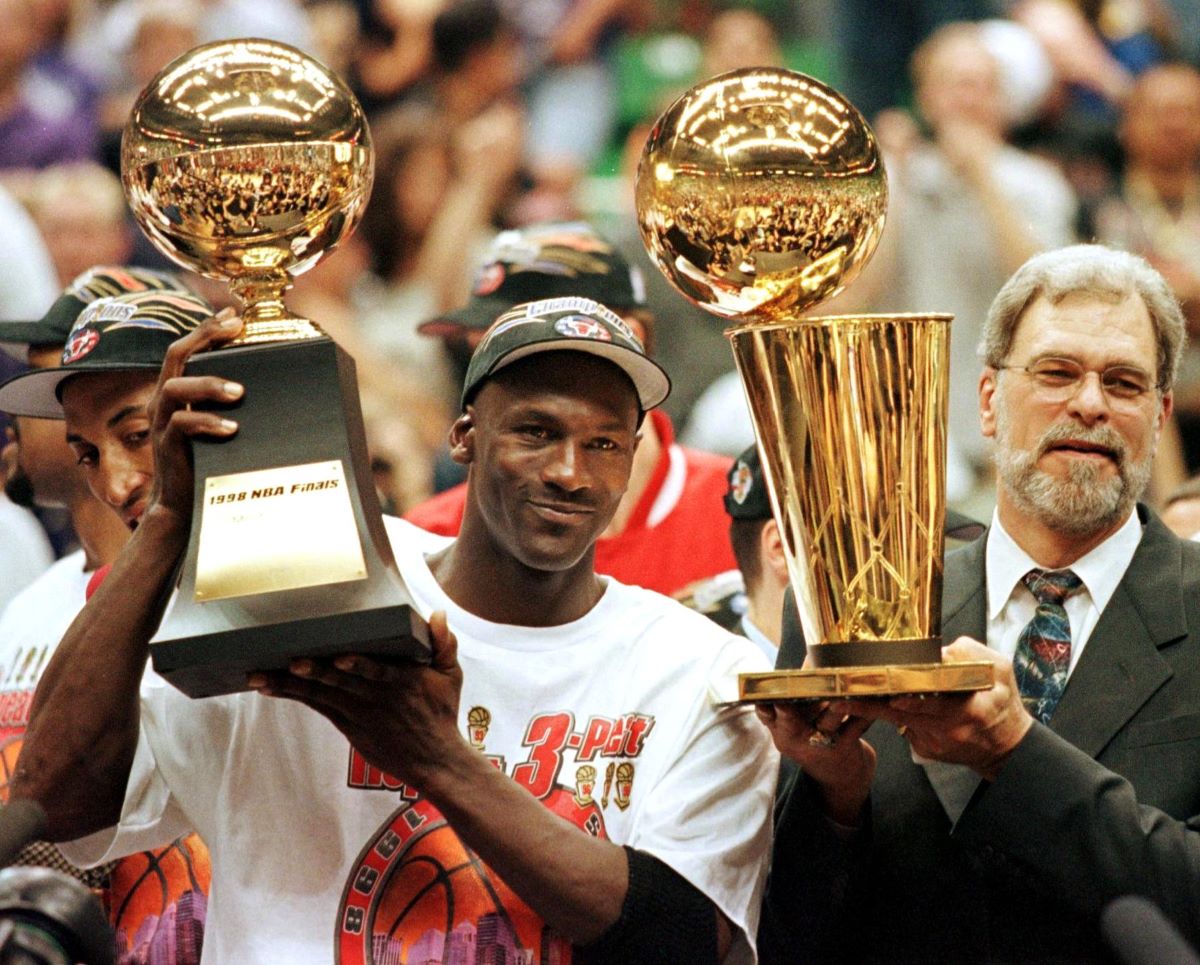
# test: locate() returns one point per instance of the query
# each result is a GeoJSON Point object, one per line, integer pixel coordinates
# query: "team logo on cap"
{"type": "Point", "coordinates": [82, 341]}
{"type": "Point", "coordinates": [580, 326]}
{"type": "Point", "coordinates": [491, 277]}
{"type": "Point", "coordinates": [742, 483]}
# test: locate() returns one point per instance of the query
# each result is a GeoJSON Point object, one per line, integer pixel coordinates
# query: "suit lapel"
{"type": "Point", "coordinates": [964, 612]}
{"type": "Point", "coordinates": [1121, 667]}
{"type": "Point", "coordinates": [964, 596]}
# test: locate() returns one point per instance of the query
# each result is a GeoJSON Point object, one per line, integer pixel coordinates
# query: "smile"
{"type": "Point", "coordinates": [1085, 450]}
{"type": "Point", "coordinates": [555, 512]}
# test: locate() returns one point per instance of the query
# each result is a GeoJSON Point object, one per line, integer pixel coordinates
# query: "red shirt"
{"type": "Point", "coordinates": [678, 533]}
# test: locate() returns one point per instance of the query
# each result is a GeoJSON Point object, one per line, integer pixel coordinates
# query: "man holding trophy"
{"type": "Point", "coordinates": [517, 794]}
{"type": "Point", "coordinates": [997, 826]}
{"type": "Point", "coordinates": [962, 802]}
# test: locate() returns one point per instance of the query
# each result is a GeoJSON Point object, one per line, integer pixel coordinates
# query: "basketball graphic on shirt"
{"type": "Point", "coordinates": [417, 893]}
{"type": "Point", "coordinates": [157, 903]}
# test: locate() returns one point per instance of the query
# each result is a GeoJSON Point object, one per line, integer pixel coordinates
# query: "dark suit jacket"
{"type": "Point", "coordinates": [1103, 802]}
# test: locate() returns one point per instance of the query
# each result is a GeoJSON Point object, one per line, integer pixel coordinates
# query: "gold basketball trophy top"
{"type": "Point", "coordinates": [246, 161]}
{"type": "Point", "coordinates": [760, 194]}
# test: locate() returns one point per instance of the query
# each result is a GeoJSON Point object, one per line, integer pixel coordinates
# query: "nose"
{"type": "Point", "coordinates": [1089, 403]}
{"type": "Point", "coordinates": [121, 478]}
{"type": "Point", "coordinates": [567, 467]}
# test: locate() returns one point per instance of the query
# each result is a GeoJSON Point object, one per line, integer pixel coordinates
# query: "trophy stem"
{"type": "Point", "coordinates": [266, 317]}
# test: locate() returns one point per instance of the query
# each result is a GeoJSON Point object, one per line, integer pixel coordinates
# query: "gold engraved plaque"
{"type": "Point", "coordinates": [277, 529]}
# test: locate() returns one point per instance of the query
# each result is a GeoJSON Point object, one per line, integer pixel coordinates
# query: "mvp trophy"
{"type": "Point", "coordinates": [246, 160]}
{"type": "Point", "coordinates": [761, 193]}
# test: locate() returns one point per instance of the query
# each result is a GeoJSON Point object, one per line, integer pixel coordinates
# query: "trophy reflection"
{"type": "Point", "coordinates": [761, 193]}
{"type": "Point", "coordinates": [247, 161]}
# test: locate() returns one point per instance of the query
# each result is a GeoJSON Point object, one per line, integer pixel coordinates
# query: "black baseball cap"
{"type": "Point", "coordinates": [125, 333]}
{"type": "Point", "coordinates": [551, 260]}
{"type": "Point", "coordinates": [746, 497]}
{"type": "Point", "coordinates": [100, 281]}
{"type": "Point", "coordinates": [570, 324]}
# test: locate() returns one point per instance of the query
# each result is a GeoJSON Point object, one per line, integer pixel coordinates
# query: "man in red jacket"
{"type": "Point", "coordinates": [669, 530]}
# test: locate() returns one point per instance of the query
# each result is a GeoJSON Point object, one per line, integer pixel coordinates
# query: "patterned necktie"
{"type": "Point", "coordinates": [1043, 654]}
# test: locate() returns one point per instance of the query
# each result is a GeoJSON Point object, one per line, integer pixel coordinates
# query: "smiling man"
{"type": "Point", "coordinates": [565, 773]}
{"type": "Point", "coordinates": [997, 826]}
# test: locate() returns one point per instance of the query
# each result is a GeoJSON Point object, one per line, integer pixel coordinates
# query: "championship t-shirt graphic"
{"type": "Point", "coordinates": [157, 900]}
{"type": "Point", "coordinates": [416, 894]}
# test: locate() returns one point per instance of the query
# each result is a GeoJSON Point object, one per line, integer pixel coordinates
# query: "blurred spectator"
{"type": "Point", "coordinates": [47, 115]}
{"type": "Point", "coordinates": [158, 32]}
{"type": "Point", "coordinates": [113, 36]}
{"type": "Point", "coordinates": [571, 88]}
{"type": "Point", "coordinates": [396, 401]}
{"type": "Point", "coordinates": [396, 50]}
{"type": "Point", "coordinates": [476, 58]}
{"type": "Point", "coordinates": [25, 551]}
{"type": "Point", "coordinates": [80, 210]}
{"type": "Point", "coordinates": [27, 281]}
{"type": "Point", "coordinates": [435, 202]}
{"type": "Point", "coordinates": [1155, 211]}
{"type": "Point", "coordinates": [965, 210]}
{"type": "Point", "coordinates": [740, 38]}
{"type": "Point", "coordinates": [876, 39]}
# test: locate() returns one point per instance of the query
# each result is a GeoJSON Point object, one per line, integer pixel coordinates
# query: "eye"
{"type": "Point", "coordinates": [1055, 371]}
{"type": "Point", "coordinates": [533, 431]}
{"type": "Point", "coordinates": [85, 456]}
{"type": "Point", "coordinates": [1124, 383]}
{"type": "Point", "coordinates": [137, 438]}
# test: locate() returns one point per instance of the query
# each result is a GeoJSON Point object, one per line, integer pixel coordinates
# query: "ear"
{"type": "Point", "coordinates": [987, 401]}
{"type": "Point", "coordinates": [1166, 409]}
{"type": "Point", "coordinates": [462, 438]}
{"type": "Point", "coordinates": [771, 548]}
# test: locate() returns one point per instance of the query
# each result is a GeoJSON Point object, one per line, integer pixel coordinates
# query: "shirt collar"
{"type": "Point", "coordinates": [1101, 569]}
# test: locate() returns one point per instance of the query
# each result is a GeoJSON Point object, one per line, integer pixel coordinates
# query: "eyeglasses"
{"type": "Point", "coordinates": [1059, 379]}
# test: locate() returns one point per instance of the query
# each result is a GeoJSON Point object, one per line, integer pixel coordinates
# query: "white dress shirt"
{"type": "Point", "coordinates": [1010, 604]}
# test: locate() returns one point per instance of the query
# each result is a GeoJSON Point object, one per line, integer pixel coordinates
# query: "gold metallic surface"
{"type": "Point", "coordinates": [850, 415]}
{"type": "Point", "coordinates": [247, 160]}
{"type": "Point", "coordinates": [886, 681]}
{"type": "Point", "coordinates": [761, 193]}
{"type": "Point", "coordinates": [277, 529]}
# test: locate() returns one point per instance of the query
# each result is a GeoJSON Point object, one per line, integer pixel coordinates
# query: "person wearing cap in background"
{"type": "Point", "coordinates": [106, 318]}
{"type": "Point", "coordinates": [568, 759]}
{"type": "Point", "coordinates": [749, 600]}
{"type": "Point", "coordinates": [667, 532]}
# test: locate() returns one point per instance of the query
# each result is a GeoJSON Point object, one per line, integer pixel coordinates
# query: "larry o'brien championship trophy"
{"type": "Point", "coordinates": [761, 193]}
{"type": "Point", "coordinates": [246, 160]}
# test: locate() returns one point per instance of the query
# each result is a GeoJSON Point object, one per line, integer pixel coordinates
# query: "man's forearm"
{"type": "Point", "coordinates": [575, 882]}
{"type": "Point", "coordinates": [83, 724]}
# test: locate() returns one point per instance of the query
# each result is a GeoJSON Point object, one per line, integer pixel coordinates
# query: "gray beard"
{"type": "Point", "coordinates": [1085, 502]}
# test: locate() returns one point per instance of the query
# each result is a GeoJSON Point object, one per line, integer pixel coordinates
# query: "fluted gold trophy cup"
{"type": "Point", "coordinates": [247, 161]}
{"type": "Point", "coordinates": [761, 193]}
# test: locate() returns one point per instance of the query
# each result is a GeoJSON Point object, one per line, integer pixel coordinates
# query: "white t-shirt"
{"type": "Point", "coordinates": [612, 720]}
{"type": "Point", "coordinates": [30, 628]}
{"type": "Point", "coordinates": [25, 552]}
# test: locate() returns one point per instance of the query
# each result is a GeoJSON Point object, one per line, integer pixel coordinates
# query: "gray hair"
{"type": "Point", "coordinates": [1094, 270]}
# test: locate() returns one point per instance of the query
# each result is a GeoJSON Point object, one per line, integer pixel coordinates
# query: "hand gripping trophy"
{"type": "Point", "coordinates": [246, 160]}
{"type": "Point", "coordinates": [760, 193]}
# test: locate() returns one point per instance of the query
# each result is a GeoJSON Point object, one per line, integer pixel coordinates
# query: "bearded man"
{"type": "Point", "coordinates": [997, 826]}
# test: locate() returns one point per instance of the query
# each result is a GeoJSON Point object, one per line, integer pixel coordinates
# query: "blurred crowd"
{"type": "Point", "coordinates": [1007, 127]}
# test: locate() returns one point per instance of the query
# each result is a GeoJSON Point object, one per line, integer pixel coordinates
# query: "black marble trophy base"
{"type": "Point", "coordinates": [300, 407]}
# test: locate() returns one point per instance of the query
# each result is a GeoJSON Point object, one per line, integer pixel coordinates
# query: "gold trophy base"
{"type": "Point", "coordinates": [832, 683]}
